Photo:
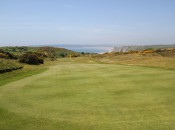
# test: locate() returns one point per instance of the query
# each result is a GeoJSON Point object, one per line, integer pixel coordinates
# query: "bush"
{"type": "Point", "coordinates": [62, 54]}
{"type": "Point", "coordinates": [2, 55]}
{"type": "Point", "coordinates": [7, 55]}
{"type": "Point", "coordinates": [9, 65]}
{"type": "Point", "coordinates": [31, 58]}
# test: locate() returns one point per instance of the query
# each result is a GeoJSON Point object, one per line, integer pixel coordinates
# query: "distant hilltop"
{"type": "Point", "coordinates": [141, 48]}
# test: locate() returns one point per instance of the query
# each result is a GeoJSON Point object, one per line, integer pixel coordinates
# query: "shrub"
{"type": "Point", "coordinates": [62, 54]}
{"type": "Point", "coordinates": [2, 55]}
{"type": "Point", "coordinates": [9, 65]}
{"type": "Point", "coordinates": [31, 58]}
{"type": "Point", "coordinates": [7, 55]}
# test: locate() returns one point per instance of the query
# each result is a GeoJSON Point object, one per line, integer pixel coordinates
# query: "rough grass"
{"type": "Point", "coordinates": [90, 96]}
{"type": "Point", "coordinates": [138, 60]}
{"type": "Point", "coordinates": [9, 65]}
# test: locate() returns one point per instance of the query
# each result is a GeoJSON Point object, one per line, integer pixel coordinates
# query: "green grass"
{"type": "Point", "coordinates": [27, 71]}
{"type": "Point", "coordinates": [90, 96]}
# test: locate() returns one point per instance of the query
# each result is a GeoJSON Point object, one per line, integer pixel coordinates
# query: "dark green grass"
{"type": "Point", "coordinates": [8, 77]}
{"type": "Point", "coordinates": [90, 96]}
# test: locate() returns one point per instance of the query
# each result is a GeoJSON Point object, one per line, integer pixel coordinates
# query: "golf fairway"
{"type": "Point", "coordinates": [90, 96]}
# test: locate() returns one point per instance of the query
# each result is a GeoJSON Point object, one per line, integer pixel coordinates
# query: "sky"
{"type": "Point", "coordinates": [87, 22]}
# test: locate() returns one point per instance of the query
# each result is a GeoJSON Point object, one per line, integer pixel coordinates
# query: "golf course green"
{"type": "Point", "coordinates": [84, 96]}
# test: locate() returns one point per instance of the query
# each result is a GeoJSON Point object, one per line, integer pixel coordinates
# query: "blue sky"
{"type": "Point", "coordinates": [34, 22]}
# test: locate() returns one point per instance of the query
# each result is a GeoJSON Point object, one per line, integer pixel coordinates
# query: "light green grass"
{"type": "Point", "coordinates": [90, 96]}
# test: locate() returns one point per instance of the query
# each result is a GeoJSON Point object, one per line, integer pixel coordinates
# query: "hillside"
{"type": "Point", "coordinates": [166, 52]}
{"type": "Point", "coordinates": [49, 51]}
{"type": "Point", "coordinates": [140, 48]}
{"type": "Point", "coordinates": [57, 52]}
{"type": "Point", "coordinates": [12, 57]}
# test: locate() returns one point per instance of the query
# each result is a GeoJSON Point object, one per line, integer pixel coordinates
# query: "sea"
{"type": "Point", "coordinates": [87, 49]}
{"type": "Point", "coordinates": [100, 49]}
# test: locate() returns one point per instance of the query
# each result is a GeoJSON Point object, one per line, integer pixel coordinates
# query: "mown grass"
{"type": "Point", "coordinates": [27, 71]}
{"type": "Point", "coordinates": [90, 96]}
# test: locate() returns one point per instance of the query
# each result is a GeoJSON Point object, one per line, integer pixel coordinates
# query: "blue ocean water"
{"type": "Point", "coordinates": [87, 49]}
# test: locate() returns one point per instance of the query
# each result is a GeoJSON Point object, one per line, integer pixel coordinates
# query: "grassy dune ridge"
{"type": "Point", "coordinates": [90, 96]}
{"type": "Point", "coordinates": [138, 60]}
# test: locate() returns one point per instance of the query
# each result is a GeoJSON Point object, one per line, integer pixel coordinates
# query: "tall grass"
{"type": "Point", "coordinates": [9, 65]}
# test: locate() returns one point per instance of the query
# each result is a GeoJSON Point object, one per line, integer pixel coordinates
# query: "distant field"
{"type": "Point", "coordinates": [90, 96]}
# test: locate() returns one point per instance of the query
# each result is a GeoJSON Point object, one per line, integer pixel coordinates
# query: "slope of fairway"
{"type": "Point", "coordinates": [90, 96]}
